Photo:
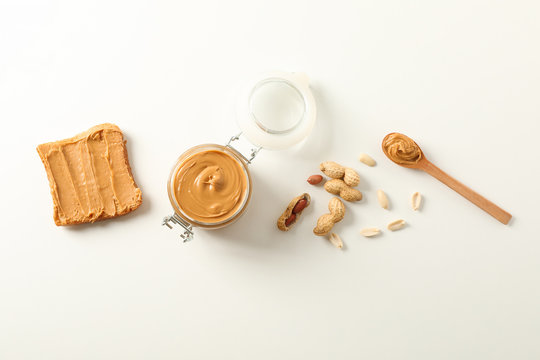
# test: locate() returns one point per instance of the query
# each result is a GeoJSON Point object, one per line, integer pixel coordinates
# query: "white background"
{"type": "Point", "coordinates": [462, 78]}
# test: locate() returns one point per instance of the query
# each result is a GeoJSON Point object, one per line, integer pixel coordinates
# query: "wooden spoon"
{"type": "Point", "coordinates": [425, 165]}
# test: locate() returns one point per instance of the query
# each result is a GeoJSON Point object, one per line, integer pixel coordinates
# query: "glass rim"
{"type": "Point", "coordinates": [266, 129]}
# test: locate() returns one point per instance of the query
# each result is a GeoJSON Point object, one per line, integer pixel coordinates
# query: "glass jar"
{"type": "Point", "coordinates": [274, 111]}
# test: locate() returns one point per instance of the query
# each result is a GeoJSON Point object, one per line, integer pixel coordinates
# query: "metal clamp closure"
{"type": "Point", "coordinates": [253, 151]}
{"type": "Point", "coordinates": [175, 219]}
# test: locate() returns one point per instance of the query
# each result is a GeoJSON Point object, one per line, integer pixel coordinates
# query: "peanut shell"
{"type": "Point", "coordinates": [284, 223]}
{"type": "Point", "coordinates": [326, 222]}
{"type": "Point", "coordinates": [351, 177]}
{"type": "Point", "coordinates": [338, 187]}
{"type": "Point", "coordinates": [332, 169]}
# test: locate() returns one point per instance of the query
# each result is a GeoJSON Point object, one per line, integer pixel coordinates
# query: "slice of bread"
{"type": "Point", "coordinates": [89, 176]}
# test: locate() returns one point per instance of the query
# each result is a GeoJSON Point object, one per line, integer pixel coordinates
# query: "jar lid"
{"type": "Point", "coordinates": [276, 110]}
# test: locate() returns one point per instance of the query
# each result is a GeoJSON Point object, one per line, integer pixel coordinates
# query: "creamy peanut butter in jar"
{"type": "Point", "coordinates": [210, 185]}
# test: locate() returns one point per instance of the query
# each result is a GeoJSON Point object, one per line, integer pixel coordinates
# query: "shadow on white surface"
{"type": "Point", "coordinates": [252, 229]}
{"type": "Point", "coordinates": [320, 139]}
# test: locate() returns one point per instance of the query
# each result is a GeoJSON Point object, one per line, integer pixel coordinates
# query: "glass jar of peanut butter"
{"type": "Point", "coordinates": [210, 185]}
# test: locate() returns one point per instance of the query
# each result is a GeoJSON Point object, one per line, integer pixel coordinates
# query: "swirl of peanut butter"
{"type": "Point", "coordinates": [210, 186]}
{"type": "Point", "coordinates": [401, 149]}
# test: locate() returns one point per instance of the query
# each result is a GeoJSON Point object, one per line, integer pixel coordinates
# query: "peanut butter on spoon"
{"type": "Point", "coordinates": [402, 150]}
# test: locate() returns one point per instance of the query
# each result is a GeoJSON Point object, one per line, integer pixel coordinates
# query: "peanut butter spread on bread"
{"type": "Point", "coordinates": [89, 176]}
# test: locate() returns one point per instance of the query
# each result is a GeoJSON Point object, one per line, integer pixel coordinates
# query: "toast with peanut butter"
{"type": "Point", "coordinates": [89, 176]}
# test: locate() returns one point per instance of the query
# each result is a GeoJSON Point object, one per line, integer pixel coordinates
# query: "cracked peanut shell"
{"type": "Point", "coordinates": [282, 221]}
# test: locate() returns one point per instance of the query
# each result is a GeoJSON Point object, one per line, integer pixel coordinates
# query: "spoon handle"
{"type": "Point", "coordinates": [467, 193]}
